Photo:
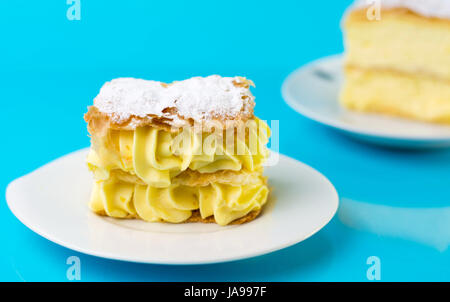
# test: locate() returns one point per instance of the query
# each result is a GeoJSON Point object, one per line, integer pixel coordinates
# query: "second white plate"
{"type": "Point", "coordinates": [313, 91]}
{"type": "Point", "coordinates": [52, 201]}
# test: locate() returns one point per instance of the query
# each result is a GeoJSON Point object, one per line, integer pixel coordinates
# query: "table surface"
{"type": "Point", "coordinates": [394, 203]}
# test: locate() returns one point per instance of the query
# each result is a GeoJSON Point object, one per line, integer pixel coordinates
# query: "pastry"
{"type": "Point", "coordinates": [400, 64]}
{"type": "Point", "coordinates": [189, 151]}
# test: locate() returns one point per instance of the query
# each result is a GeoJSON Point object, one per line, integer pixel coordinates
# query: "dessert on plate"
{"type": "Point", "coordinates": [189, 151]}
{"type": "Point", "coordinates": [399, 64]}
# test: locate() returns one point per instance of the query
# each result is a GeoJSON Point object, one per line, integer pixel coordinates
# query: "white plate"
{"type": "Point", "coordinates": [52, 201]}
{"type": "Point", "coordinates": [313, 91]}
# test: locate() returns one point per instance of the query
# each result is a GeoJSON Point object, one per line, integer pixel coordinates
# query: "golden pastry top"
{"type": "Point", "coordinates": [426, 8]}
{"type": "Point", "coordinates": [128, 103]}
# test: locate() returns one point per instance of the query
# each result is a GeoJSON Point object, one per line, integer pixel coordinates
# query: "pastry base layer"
{"type": "Point", "coordinates": [406, 95]}
{"type": "Point", "coordinates": [196, 217]}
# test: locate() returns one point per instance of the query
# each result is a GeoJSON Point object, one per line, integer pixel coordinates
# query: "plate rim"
{"type": "Point", "coordinates": [311, 115]}
{"type": "Point", "coordinates": [105, 255]}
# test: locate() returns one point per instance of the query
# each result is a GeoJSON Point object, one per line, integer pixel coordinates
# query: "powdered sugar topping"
{"type": "Point", "coordinates": [427, 8]}
{"type": "Point", "coordinates": [197, 98]}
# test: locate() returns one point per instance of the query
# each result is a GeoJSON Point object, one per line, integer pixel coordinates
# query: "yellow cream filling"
{"type": "Point", "coordinates": [156, 156]}
{"type": "Point", "coordinates": [175, 203]}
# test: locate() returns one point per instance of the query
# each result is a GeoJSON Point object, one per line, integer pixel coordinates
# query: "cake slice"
{"type": "Point", "coordinates": [180, 152]}
{"type": "Point", "coordinates": [399, 65]}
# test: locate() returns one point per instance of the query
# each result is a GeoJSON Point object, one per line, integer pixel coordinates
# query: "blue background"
{"type": "Point", "coordinates": [51, 68]}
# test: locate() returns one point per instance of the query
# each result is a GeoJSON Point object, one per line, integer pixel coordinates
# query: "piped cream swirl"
{"type": "Point", "coordinates": [175, 203]}
{"type": "Point", "coordinates": [156, 156]}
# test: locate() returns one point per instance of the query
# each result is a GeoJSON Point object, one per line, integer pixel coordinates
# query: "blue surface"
{"type": "Point", "coordinates": [52, 68]}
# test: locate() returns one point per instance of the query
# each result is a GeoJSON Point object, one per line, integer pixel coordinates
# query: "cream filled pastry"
{"type": "Point", "coordinates": [186, 151]}
{"type": "Point", "coordinates": [398, 60]}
